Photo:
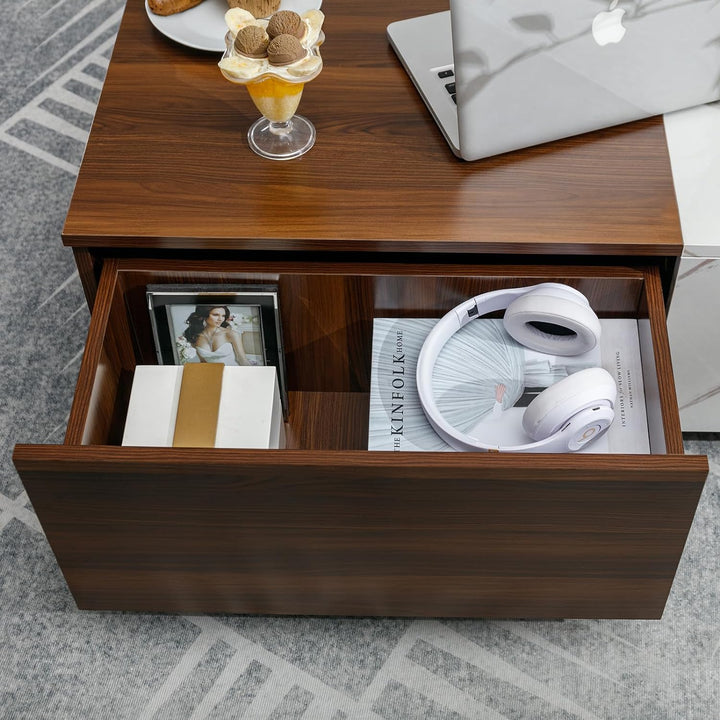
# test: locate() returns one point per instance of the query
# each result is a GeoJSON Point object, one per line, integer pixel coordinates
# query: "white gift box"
{"type": "Point", "coordinates": [249, 414]}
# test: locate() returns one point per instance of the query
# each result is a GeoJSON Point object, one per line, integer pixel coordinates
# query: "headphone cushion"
{"type": "Point", "coordinates": [542, 307]}
{"type": "Point", "coordinates": [553, 407]}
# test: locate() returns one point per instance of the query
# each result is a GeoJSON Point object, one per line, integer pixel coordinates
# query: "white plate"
{"type": "Point", "coordinates": [203, 27]}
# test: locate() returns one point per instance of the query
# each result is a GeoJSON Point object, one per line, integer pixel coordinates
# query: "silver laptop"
{"type": "Point", "coordinates": [499, 75]}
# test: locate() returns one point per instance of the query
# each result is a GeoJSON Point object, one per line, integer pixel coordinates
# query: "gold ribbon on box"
{"type": "Point", "coordinates": [198, 405]}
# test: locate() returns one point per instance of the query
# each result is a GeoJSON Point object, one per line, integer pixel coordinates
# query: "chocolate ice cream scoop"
{"type": "Point", "coordinates": [286, 22]}
{"type": "Point", "coordinates": [252, 41]}
{"type": "Point", "coordinates": [284, 50]}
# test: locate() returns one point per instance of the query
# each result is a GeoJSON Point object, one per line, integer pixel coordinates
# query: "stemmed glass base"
{"type": "Point", "coordinates": [281, 140]}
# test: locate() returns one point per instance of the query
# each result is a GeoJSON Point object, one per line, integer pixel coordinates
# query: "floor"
{"type": "Point", "coordinates": [57, 662]}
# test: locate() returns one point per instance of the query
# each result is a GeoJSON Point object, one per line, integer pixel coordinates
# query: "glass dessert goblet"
{"type": "Point", "coordinates": [276, 91]}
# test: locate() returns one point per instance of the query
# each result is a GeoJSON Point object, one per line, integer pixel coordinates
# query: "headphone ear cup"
{"type": "Point", "coordinates": [556, 405]}
{"type": "Point", "coordinates": [553, 323]}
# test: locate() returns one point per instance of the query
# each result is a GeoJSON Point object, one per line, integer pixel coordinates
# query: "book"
{"type": "Point", "coordinates": [484, 379]}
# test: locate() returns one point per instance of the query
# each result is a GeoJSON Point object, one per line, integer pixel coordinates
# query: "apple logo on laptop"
{"type": "Point", "coordinates": [607, 26]}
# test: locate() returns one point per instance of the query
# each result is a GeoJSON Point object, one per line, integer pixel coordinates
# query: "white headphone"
{"type": "Point", "coordinates": [550, 318]}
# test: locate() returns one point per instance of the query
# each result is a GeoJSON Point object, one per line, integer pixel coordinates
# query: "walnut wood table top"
{"type": "Point", "coordinates": [168, 167]}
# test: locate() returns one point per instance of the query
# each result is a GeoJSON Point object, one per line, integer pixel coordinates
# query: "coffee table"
{"type": "Point", "coordinates": [378, 219]}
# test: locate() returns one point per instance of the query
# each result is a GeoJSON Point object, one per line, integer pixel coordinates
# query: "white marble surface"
{"type": "Point", "coordinates": [693, 138]}
{"type": "Point", "coordinates": [694, 332]}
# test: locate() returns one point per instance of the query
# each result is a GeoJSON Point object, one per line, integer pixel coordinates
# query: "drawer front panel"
{"type": "Point", "coordinates": [364, 533]}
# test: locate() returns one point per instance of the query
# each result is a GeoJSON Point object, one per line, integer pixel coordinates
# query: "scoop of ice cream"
{"type": "Point", "coordinates": [286, 22]}
{"type": "Point", "coordinates": [259, 8]}
{"type": "Point", "coordinates": [252, 41]}
{"type": "Point", "coordinates": [285, 49]}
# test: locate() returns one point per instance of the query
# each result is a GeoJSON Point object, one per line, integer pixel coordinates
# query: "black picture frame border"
{"type": "Point", "coordinates": [262, 295]}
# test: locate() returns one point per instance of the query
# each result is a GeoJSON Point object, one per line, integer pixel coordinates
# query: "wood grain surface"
{"type": "Point", "coordinates": [167, 165]}
{"type": "Point", "coordinates": [359, 533]}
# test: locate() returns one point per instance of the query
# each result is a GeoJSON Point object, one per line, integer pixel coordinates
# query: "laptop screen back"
{"type": "Point", "coordinates": [530, 71]}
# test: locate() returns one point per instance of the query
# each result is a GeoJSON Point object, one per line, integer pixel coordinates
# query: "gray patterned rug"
{"type": "Point", "coordinates": [57, 662]}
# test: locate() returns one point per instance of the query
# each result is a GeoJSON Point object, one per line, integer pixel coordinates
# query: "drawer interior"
{"type": "Point", "coordinates": [327, 314]}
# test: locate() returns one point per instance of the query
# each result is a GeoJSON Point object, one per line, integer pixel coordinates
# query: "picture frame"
{"type": "Point", "coordinates": [183, 317]}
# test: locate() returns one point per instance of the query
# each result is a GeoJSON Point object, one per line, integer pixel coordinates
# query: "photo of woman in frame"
{"type": "Point", "coordinates": [228, 334]}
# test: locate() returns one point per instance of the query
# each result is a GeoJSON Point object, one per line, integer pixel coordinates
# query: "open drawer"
{"type": "Point", "coordinates": [326, 527]}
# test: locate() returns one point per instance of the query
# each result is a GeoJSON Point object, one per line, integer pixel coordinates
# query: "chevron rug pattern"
{"type": "Point", "coordinates": [63, 664]}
